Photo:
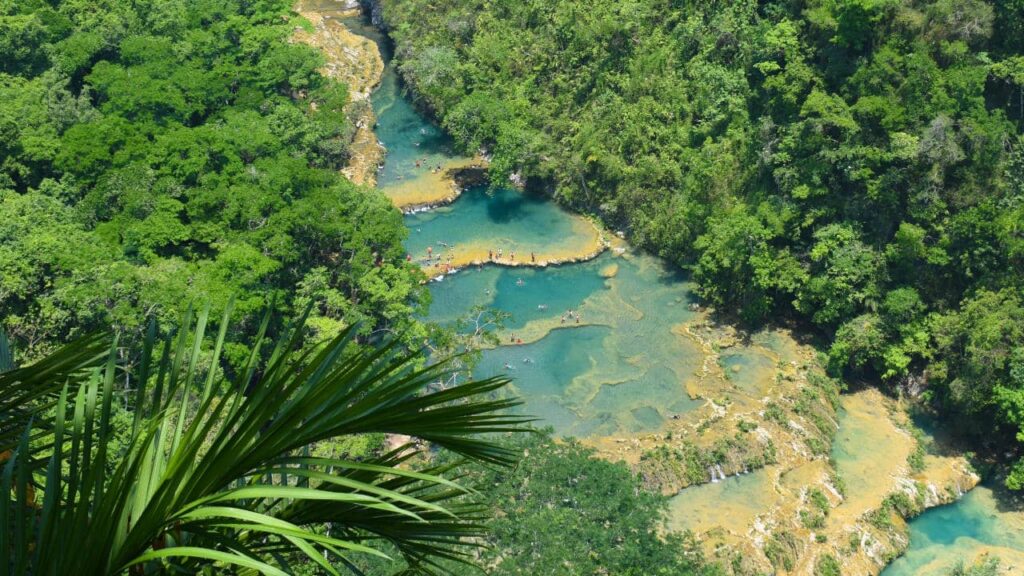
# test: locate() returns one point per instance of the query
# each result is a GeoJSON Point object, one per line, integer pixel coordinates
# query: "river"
{"type": "Point", "coordinates": [613, 350]}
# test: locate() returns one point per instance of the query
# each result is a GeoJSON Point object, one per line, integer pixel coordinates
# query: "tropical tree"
{"type": "Point", "coordinates": [217, 473]}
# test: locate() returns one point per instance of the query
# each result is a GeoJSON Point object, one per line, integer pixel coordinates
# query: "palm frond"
{"type": "Point", "coordinates": [28, 392]}
{"type": "Point", "coordinates": [219, 472]}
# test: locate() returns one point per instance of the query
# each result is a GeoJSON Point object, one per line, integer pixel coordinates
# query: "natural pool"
{"type": "Point", "coordinates": [974, 525]}
{"type": "Point", "coordinates": [405, 133]}
{"type": "Point", "coordinates": [869, 450]}
{"type": "Point", "coordinates": [616, 365]}
{"type": "Point", "coordinates": [528, 294]}
{"type": "Point", "coordinates": [524, 228]}
{"type": "Point", "coordinates": [731, 504]}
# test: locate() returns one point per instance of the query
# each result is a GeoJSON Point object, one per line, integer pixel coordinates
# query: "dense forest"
{"type": "Point", "coordinates": [160, 153]}
{"type": "Point", "coordinates": [565, 511]}
{"type": "Point", "coordinates": [857, 165]}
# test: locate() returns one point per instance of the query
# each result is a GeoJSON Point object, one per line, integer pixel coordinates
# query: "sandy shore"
{"type": "Point", "coordinates": [477, 254]}
{"type": "Point", "coordinates": [431, 188]}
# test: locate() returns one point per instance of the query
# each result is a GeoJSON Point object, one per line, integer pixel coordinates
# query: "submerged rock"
{"type": "Point", "coordinates": [610, 270]}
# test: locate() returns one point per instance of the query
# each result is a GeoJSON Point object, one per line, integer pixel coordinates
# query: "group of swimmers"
{"type": "Point", "coordinates": [527, 360]}
{"type": "Point", "coordinates": [569, 315]}
{"type": "Point", "coordinates": [423, 162]}
{"type": "Point", "coordinates": [420, 162]}
{"type": "Point", "coordinates": [435, 258]}
{"type": "Point", "coordinates": [511, 255]}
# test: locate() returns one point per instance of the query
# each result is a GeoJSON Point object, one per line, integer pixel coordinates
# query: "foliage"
{"type": "Point", "coordinates": [828, 566]}
{"type": "Point", "coordinates": [159, 152]}
{"type": "Point", "coordinates": [564, 511]}
{"type": "Point", "coordinates": [856, 164]}
{"type": "Point", "coordinates": [217, 473]}
{"type": "Point", "coordinates": [984, 567]}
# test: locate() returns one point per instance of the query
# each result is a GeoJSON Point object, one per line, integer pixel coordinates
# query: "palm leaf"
{"type": "Point", "coordinates": [219, 472]}
{"type": "Point", "coordinates": [27, 392]}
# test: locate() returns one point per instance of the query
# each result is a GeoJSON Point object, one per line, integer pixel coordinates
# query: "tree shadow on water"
{"type": "Point", "coordinates": [508, 205]}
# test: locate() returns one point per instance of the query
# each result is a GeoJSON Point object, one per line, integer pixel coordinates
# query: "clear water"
{"type": "Point", "coordinates": [868, 449]}
{"type": "Point", "coordinates": [941, 537]}
{"type": "Point", "coordinates": [621, 369]}
{"type": "Point", "coordinates": [503, 219]}
{"type": "Point", "coordinates": [528, 294]}
{"type": "Point", "coordinates": [749, 368]}
{"type": "Point", "coordinates": [405, 134]}
{"type": "Point", "coordinates": [732, 503]}
{"type": "Point", "coordinates": [865, 448]}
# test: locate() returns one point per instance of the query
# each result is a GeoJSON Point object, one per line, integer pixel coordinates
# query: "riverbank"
{"type": "Point", "coordinates": [435, 186]}
{"type": "Point", "coordinates": [450, 261]}
{"type": "Point", "coordinates": [356, 62]}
